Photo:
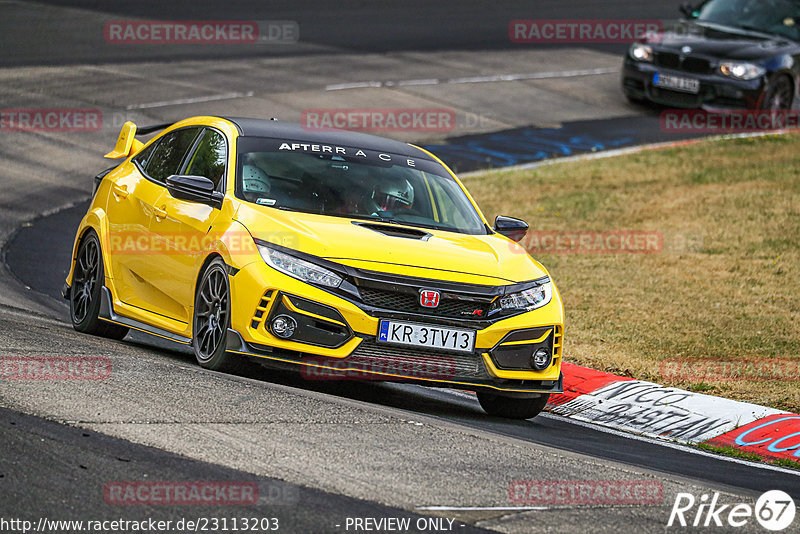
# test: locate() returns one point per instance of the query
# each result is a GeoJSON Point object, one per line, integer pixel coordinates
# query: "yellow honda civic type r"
{"type": "Point", "coordinates": [343, 255]}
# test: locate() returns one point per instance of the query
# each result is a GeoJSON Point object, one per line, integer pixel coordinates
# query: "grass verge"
{"type": "Point", "coordinates": [739, 453]}
{"type": "Point", "coordinates": [719, 301]}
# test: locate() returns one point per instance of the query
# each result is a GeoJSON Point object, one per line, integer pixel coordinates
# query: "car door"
{"type": "Point", "coordinates": [182, 226]}
{"type": "Point", "coordinates": [131, 206]}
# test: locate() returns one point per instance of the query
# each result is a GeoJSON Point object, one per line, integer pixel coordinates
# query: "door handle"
{"type": "Point", "coordinates": [120, 191]}
{"type": "Point", "coordinates": [161, 213]}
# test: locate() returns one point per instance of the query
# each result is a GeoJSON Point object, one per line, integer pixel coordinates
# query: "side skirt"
{"type": "Point", "coordinates": [107, 314]}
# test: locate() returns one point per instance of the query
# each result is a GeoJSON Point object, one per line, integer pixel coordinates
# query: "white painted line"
{"type": "Point", "coordinates": [477, 79]}
{"type": "Point", "coordinates": [430, 81]}
{"type": "Point", "coordinates": [638, 437]}
{"type": "Point", "coordinates": [671, 445]}
{"type": "Point", "coordinates": [180, 101]}
{"type": "Point", "coordinates": [535, 76]}
{"type": "Point", "coordinates": [480, 508]}
{"type": "Point", "coordinates": [355, 85]}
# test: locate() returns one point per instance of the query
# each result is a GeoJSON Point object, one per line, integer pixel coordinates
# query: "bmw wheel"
{"type": "Point", "coordinates": [779, 94]}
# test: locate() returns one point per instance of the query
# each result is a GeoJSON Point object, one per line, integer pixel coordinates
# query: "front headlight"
{"type": "Point", "coordinates": [530, 299]}
{"type": "Point", "coordinates": [741, 70]}
{"type": "Point", "coordinates": [641, 52]}
{"type": "Point", "coordinates": [297, 268]}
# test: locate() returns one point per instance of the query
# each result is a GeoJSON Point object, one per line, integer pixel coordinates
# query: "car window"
{"type": "Point", "coordinates": [209, 158]}
{"type": "Point", "coordinates": [445, 202]}
{"type": "Point", "coordinates": [144, 156]}
{"type": "Point", "coordinates": [169, 153]}
{"type": "Point", "coordinates": [773, 16]}
{"type": "Point", "coordinates": [353, 182]}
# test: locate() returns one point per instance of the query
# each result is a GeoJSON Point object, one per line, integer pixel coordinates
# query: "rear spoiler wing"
{"type": "Point", "coordinates": [127, 143]}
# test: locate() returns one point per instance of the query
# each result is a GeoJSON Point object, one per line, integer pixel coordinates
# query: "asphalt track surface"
{"type": "Point", "coordinates": [44, 268]}
{"type": "Point", "coordinates": [62, 468]}
{"type": "Point", "coordinates": [347, 25]}
{"type": "Point", "coordinates": [333, 449]}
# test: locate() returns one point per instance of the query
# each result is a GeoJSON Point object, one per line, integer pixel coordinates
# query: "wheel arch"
{"type": "Point", "coordinates": [94, 221]}
{"type": "Point", "coordinates": [782, 73]}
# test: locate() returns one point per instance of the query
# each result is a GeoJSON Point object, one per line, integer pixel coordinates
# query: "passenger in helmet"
{"type": "Point", "coordinates": [394, 196]}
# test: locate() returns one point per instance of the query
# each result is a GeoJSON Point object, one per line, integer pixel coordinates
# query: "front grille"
{"type": "Point", "coordinates": [409, 303]}
{"type": "Point", "coordinates": [691, 64]}
{"type": "Point", "coordinates": [416, 363]}
{"type": "Point", "coordinates": [696, 65]}
{"type": "Point", "coordinates": [668, 59]}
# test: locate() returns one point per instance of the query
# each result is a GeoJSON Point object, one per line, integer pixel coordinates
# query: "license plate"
{"type": "Point", "coordinates": [426, 336]}
{"type": "Point", "coordinates": [676, 83]}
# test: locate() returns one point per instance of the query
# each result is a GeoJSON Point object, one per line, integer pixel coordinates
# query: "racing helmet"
{"type": "Point", "coordinates": [394, 196]}
{"type": "Point", "coordinates": [254, 180]}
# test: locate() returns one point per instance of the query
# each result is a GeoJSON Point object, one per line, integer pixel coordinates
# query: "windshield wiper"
{"type": "Point", "coordinates": [753, 29]}
{"type": "Point", "coordinates": [390, 220]}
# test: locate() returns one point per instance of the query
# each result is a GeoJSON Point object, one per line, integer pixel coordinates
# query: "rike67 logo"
{"type": "Point", "coordinates": [774, 511]}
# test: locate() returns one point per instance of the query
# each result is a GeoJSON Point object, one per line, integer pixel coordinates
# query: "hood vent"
{"type": "Point", "coordinates": [396, 231]}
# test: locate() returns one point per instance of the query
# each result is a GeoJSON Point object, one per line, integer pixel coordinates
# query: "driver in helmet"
{"type": "Point", "coordinates": [394, 196]}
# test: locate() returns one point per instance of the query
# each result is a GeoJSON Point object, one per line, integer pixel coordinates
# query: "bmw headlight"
{"type": "Point", "coordinates": [741, 70]}
{"type": "Point", "coordinates": [297, 268]}
{"type": "Point", "coordinates": [641, 52]}
{"type": "Point", "coordinates": [529, 299]}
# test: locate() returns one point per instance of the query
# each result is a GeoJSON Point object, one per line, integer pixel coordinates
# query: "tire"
{"type": "Point", "coordinates": [510, 407]}
{"type": "Point", "coordinates": [779, 94]}
{"type": "Point", "coordinates": [88, 278]}
{"type": "Point", "coordinates": [211, 319]}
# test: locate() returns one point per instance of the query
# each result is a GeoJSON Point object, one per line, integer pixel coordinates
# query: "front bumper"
{"type": "Point", "coordinates": [716, 91]}
{"type": "Point", "coordinates": [336, 339]}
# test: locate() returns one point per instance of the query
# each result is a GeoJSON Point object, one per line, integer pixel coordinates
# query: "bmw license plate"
{"type": "Point", "coordinates": [676, 83]}
{"type": "Point", "coordinates": [426, 336]}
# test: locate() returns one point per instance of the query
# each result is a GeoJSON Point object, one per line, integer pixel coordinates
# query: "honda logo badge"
{"type": "Point", "coordinates": [428, 298]}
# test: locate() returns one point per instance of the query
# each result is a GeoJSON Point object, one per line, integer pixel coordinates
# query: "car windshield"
{"type": "Point", "coordinates": [780, 17]}
{"type": "Point", "coordinates": [358, 183]}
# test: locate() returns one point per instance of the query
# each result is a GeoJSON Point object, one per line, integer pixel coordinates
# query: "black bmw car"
{"type": "Point", "coordinates": [725, 54]}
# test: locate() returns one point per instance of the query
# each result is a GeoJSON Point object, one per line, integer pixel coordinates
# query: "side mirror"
{"type": "Point", "coordinates": [687, 10]}
{"type": "Point", "coordinates": [514, 229]}
{"type": "Point", "coordinates": [194, 189]}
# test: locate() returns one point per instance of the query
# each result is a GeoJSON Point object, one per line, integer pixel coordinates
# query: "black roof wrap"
{"type": "Point", "coordinates": [295, 132]}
